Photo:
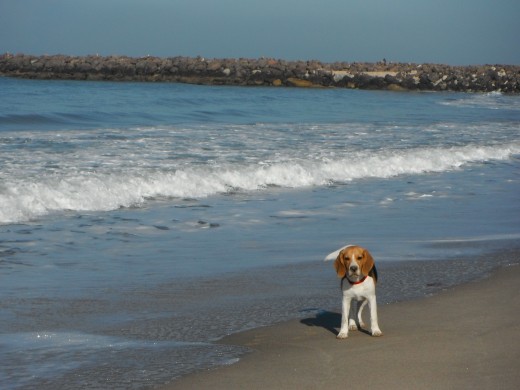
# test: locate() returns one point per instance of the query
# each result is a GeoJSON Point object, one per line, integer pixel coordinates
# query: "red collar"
{"type": "Point", "coordinates": [358, 282]}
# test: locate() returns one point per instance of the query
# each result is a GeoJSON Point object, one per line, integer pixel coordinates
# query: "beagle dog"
{"type": "Point", "coordinates": [355, 266]}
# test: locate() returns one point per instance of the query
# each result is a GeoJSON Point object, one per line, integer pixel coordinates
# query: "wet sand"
{"type": "Point", "coordinates": [465, 337]}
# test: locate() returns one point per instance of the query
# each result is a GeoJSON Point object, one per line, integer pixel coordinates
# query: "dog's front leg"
{"type": "Point", "coordinates": [374, 326]}
{"type": "Point", "coordinates": [345, 311]}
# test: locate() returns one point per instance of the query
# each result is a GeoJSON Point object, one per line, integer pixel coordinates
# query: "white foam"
{"type": "Point", "coordinates": [490, 237]}
{"type": "Point", "coordinates": [66, 341]}
{"type": "Point", "coordinates": [491, 100]}
{"type": "Point", "coordinates": [27, 198]}
{"type": "Point", "coordinates": [49, 354]}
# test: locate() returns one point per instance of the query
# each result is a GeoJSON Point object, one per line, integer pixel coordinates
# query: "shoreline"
{"type": "Point", "coordinates": [463, 337]}
{"type": "Point", "coordinates": [266, 72]}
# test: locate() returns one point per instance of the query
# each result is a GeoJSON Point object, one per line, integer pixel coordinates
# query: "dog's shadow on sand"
{"type": "Point", "coordinates": [328, 320]}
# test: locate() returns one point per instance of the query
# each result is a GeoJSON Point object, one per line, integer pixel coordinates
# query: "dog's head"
{"type": "Point", "coordinates": [355, 262]}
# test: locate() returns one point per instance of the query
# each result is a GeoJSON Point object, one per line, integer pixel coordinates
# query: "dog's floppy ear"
{"type": "Point", "coordinates": [339, 266]}
{"type": "Point", "coordinates": [368, 263]}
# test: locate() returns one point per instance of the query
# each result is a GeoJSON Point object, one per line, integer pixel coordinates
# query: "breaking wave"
{"type": "Point", "coordinates": [30, 198]}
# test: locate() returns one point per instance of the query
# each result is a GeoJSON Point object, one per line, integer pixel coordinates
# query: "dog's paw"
{"type": "Point", "coordinates": [352, 327]}
{"type": "Point", "coordinates": [377, 333]}
{"type": "Point", "coordinates": [342, 335]}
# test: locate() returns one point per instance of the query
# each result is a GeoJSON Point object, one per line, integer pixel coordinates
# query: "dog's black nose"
{"type": "Point", "coordinates": [353, 268]}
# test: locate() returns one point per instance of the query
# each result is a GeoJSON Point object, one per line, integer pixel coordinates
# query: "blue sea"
{"type": "Point", "coordinates": [142, 222]}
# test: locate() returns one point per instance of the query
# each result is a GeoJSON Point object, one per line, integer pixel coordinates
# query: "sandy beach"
{"type": "Point", "coordinates": [467, 337]}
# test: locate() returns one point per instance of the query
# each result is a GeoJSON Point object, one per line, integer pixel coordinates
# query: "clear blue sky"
{"type": "Point", "coordinates": [457, 32]}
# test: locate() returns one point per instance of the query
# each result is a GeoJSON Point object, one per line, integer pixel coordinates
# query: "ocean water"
{"type": "Point", "coordinates": [140, 223]}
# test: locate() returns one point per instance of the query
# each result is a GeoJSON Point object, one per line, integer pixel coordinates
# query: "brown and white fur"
{"type": "Point", "coordinates": [355, 266]}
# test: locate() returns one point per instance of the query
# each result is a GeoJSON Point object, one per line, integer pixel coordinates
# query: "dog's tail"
{"type": "Point", "coordinates": [334, 255]}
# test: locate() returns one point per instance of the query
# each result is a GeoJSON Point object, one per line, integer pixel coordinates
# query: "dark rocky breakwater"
{"type": "Point", "coordinates": [266, 72]}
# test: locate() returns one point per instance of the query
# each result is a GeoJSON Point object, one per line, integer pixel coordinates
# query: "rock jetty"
{"type": "Point", "coordinates": [266, 72]}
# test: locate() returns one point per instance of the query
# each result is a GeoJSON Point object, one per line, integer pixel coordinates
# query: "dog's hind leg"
{"type": "Point", "coordinates": [360, 312]}
{"type": "Point", "coordinates": [355, 321]}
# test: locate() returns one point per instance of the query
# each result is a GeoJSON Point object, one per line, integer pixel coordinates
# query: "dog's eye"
{"type": "Point", "coordinates": [359, 257]}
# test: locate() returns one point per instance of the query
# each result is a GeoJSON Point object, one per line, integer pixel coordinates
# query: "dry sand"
{"type": "Point", "coordinates": [465, 338]}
